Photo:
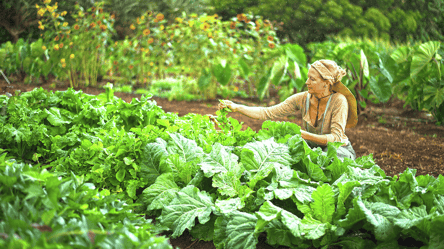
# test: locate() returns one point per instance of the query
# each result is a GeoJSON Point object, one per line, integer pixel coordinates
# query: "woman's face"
{"type": "Point", "coordinates": [315, 83]}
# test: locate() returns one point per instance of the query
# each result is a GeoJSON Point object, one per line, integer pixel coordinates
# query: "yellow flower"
{"type": "Point", "coordinates": [76, 27]}
{"type": "Point", "coordinates": [150, 40]}
{"type": "Point", "coordinates": [37, 6]}
{"type": "Point", "coordinates": [65, 24]}
{"type": "Point", "coordinates": [56, 47]}
{"type": "Point", "coordinates": [64, 13]}
{"type": "Point", "coordinates": [41, 12]}
{"type": "Point", "coordinates": [151, 63]}
{"type": "Point", "coordinates": [132, 27]}
{"type": "Point", "coordinates": [71, 56]}
{"type": "Point", "coordinates": [103, 27]}
{"type": "Point", "coordinates": [93, 25]}
{"type": "Point", "coordinates": [58, 23]}
{"type": "Point", "coordinates": [179, 20]}
{"type": "Point", "coordinates": [191, 23]}
{"type": "Point", "coordinates": [47, 1]}
{"type": "Point", "coordinates": [205, 26]}
{"type": "Point", "coordinates": [146, 32]}
{"type": "Point", "coordinates": [162, 27]}
{"type": "Point", "coordinates": [149, 73]}
{"type": "Point", "coordinates": [270, 38]}
{"type": "Point", "coordinates": [61, 45]}
{"type": "Point", "coordinates": [271, 45]}
{"type": "Point", "coordinates": [160, 16]}
{"type": "Point", "coordinates": [63, 65]}
{"type": "Point", "coordinates": [62, 60]}
{"type": "Point", "coordinates": [70, 44]}
{"type": "Point", "coordinates": [43, 47]}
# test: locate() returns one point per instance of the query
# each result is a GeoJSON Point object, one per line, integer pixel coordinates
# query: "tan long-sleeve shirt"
{"type": "Point", "coordinates": [334, 122]}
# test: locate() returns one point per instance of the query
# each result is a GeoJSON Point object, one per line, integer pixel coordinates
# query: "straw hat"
{"type": "Point", "coordinates": [330, 71]}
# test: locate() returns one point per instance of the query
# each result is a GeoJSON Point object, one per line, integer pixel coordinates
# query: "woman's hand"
{"type": "Point", "coordinates": [227, 104]}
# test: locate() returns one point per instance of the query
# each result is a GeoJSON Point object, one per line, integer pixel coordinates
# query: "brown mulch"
{"type": "Point", "coordinates": [398, 137]}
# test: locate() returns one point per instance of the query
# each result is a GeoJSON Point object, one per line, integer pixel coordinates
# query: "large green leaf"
{"type": "Point", "coordinates": [364, 65]}
{"type": "Point", "coordinates": [189, 204]}
{"type": "Point", "coordinates": [151, 166]}
{"type": "Point", "coordinates": [55, 118]}
{"type": "Point", "coordinates": [264, 84]}
{"type": "Point", "coordinates": [222, 72]}
{"type": "Point", "coordinates": [245, 69]}
{"type": "Point", "coordinates": [295, 53]}
{"type": "Point", "coordinates": [324, 203]}
{"type": "Point", "coordinates": [259, 158]}
{"type": "Point", "coordinates": [381, 87]}
{"type": "Point", "coordinates": [387, 66]}
{"type": "Point", "coordinates": [279, 70]}
{"type": "Point", "coordinates": [161, 193]}
{"type": "Point", "coordinates": [219, 160]}
{"type": "Point", "coordinates": [381, 216]}
{"type": "Point", "coordinates": [240, 231]}
{"type": "Point", "coordinates": [437, 235]}
{"type": "Point", "coordinates": [423, 55]}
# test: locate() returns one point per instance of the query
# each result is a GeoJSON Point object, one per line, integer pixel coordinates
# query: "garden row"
{"type": "Point", "coordinates": [227, 186]}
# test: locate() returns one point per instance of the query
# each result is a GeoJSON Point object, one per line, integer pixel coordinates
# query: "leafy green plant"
{"type": "Point", "coordinates": [41, 209]}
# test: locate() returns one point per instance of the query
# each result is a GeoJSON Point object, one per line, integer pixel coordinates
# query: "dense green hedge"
{"type": "Point", "coordinates": [308, 21]}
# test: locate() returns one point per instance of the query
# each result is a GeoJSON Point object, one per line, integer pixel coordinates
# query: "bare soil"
{"type": "Point", "coordinates": [398, 137]}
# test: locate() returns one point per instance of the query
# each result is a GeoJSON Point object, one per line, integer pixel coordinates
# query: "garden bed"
{"type": "Point", "coordinates": [398, 138]}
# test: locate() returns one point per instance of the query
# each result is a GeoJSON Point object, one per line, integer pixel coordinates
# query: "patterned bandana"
{"type": "Point", "coordinates": [324, 72]}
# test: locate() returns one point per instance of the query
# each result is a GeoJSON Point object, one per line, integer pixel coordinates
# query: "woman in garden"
{"type": "Point", "coordinates": [328, 107]}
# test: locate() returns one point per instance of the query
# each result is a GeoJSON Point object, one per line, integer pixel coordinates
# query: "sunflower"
{"type": "Point", "coordinates": [270, 38]}
{"type": "Point", "coordinates": [205, 26]}
{"type": "Point", "coordinates": [62, 60]}
{"type": "Point", "coordinates": [150, 40]}
{"type": "Point", "coordinates": [160, 17]}
{"type": "Point", "coordinates": [76, 27]}
{"type": "Point", "coordinates": [241, 17]}
{"type": "Point", "coordinates": [271, 45]}
{"type": "Point", "coordinates": [232, 25]}
{"type": "Point", "coordinates": [61, 45]}
{"type": "Point", "coordinates": [72, 56]}
{"type": "Point", "coordinates": [146, 32]}
{"type": "Point", "coordinates": [56, 47]}
{"type": "Point", "coordinates": [132, 27]}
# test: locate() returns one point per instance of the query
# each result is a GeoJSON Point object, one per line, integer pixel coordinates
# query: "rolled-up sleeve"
{"type": "Point", "coordinates": [288, 107]}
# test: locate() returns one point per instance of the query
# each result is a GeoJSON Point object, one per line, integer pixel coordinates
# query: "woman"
{"type": "Point", "coordinates": [328, 107]}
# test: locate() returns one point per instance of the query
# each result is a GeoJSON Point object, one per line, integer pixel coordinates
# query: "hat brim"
{"type": "Point", "coordinates": [352, 118]}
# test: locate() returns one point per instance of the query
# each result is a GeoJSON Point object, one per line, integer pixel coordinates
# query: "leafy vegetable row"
{"type": "Point", "coordinates": [228, 186]}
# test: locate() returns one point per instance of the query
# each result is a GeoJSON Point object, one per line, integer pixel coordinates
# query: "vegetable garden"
{"type": "Point", "coordinates": [94, 171]}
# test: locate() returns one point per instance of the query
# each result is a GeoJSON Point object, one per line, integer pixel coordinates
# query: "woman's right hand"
{"type": "Point", "coordinates": [227, 104]}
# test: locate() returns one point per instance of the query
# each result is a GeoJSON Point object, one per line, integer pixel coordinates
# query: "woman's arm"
{"type": "Point", "coordinates": [285, 108]}
{"type": "Point", "coordinates": [318, 139]}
